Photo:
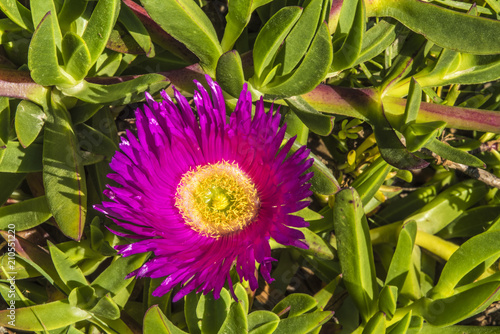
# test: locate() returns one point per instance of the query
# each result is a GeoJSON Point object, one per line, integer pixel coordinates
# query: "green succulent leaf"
{"type": "Point", "coordinates": [298, 40]}
{"type": "Point", "coordinates": [448, 205]}
{"type": "Point", "coordinates": [137, 30]}
{"type": "Point", "coordinates": [472, 253]}
{"type": "Point", "coordinates": [311, 71]}
{"type": "Point", "coordinates": [387, 302]}
{"type": "Point", "coordinates": [347, 54]}
{"type": "Point", "coordinates": [401, 327]}
{"type": "Point", "coordinates": [448, 152]}
{"type": "Point", "coordinates": [238, 16]}
{"type": "Point", "coordinates": [29, 122]}
{"type": "Point", "coordinates": [229, 73]}
{"type": "Point", "coordinates": [236, 320]}
{"type": "Point", "coordinates": [271, 36]}
{"type": "Point", "coordinates": [119, 93]}
{"type": "Point", "coordinates": [99, 27]}
{"type": "Point", "coordinates": [421, 17]}
{"type": "Point", "coordinates": [41, 317]}
{"type": "Point", "coordinates": [38, 11]}
{"type": "Point", "coordinates": [9, 182]}
{"type": "Point", "coordinates": [391, 148]}
{"type": "Point", "coordinates": [376, 40]}
{"type": "Point", "coordinates": [16, 159]}
{"type": "Point", "coordinates": [473, 221]}
{"type": "Point", "coordinates": [155, 322]}
{"type": "Point", "coordinates": [461, 305]}
{"type": "Point", "coordinates": [322, 182]}
{"type": "Point", "coordinates": [76, 56]}
{"type": "Point", "coordinates": [402, 258]}
{"type": "Point", "coordinates": [63, 174]}
{"type": "Point", "coordinates": [324, 295]}
{"type": "Point", "coordinates": [112, 280]}
{"type": "Point", "coordinates": [313, 119]}
{"type": "Point", "coordinates": [4, 120]}
{"type": "Point", "coordinates": [376, 324]}
{"type": "Point", "coordinates": [68, 271]}
{"type": "Point", "coordinates": [355, 251]}
{"type": "Point", "coordinates": [303, 323]}
{"type": "Point", "coordinates": [191, 27]}
{"type": "Point", "coordinates": [43, 60]}
{"type": "Point", "coordinates": [297, 303]}
{"type": "Point", "coordinates": [25, 214]}
{"type": "Point", "coordinates": [262, 322]}
{"type": "Point", "coordinates": [368, 183]}
{"type": "Point", "coordinates": [213, 312]}
{"type": "Point", "coordinates": [19, 14]}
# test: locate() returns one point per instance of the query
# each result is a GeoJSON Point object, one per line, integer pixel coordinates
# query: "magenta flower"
{"type": "Point", "coordinates": [205, 194]}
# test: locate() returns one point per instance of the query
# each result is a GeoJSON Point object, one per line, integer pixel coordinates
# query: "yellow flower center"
{"type": "Point", "coordinates": [217, 199]}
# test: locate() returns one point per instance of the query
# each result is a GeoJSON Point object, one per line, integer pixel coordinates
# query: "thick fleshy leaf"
{"type": "Point", "coordinates": [448, 205]}
{"type": "Point", "coordinates": [229, 73]}
{"type": "Point", "coordinates": [63, 174]}
{"type": "Point", "coordinates": [112, 280]}
{"type": "Point", "coordinates": [324, 295]}
{"type": "Point", "coordinates": [402, 258]}
{"type": "Point", "coordinates": [318, 247]}
{"type": "Point", "coordinates": [369, 182]}
{"type": "Point", "coordinates": [118, 93]}
{"type": "Point", "coordinates": [76, 56]}
{"type": "Point", "coordinates": [472, 253]}
{"type": "Point", "coordinates": [448, 152]}
{"type": "Point", "coordinates": [236, 320]}
{"type": "Point", "coordinates": [298, 40]}
{"type": "Point", "coordinates": [271, 36]}
{"type": "Point", "coordinates": [347, 54]}
{"type": "Point", "coordinates": [297, 304]}
{"type": "Point", "coordinates": [311, 71]}
{"type": "Point", "coordinates": [9, 182]}
{"type": "Point", "coordinates": [376, 325]}
{"type": "Point", "coordinates": [25, 214]}
{"type": "Point", "coordinates": [4, 120]}
{"type": "Point", "coordinates": [315, 121]}
{"type": "Point", "coordinates": [191, 27]}
{"type": "Point", "coordinates": [92, 140]}
{"type": "Point", "coordinates": [42, 57]}
{"type": "Point", "coordinates": [70, 11]}
{"type": "Point", "coordinates": [355, 251]}
{"type": "Point", "coordinates": [16, 159]}
{"type": "Point", "coordinates": [376, 40]}
{"type": "Point", "coordinates": [137, 30]}
{"type": "Point", "coordinates": [303, 323]}
{"type": "Point", "coordinates": [402, 325]}
{"type": "Point", "coordinates": [387, 301]}
{"type": "Point", "coordinates": [19, 14]}
{"type": "Point", "coordinates": [238, 16]}
{"type": "Point", "coordinates": [29, 122]}
{"type": "Point", "coordinates": [41, 317]}
{"type": "Point", "coordinates": [68, 271]}
{"type": "Point", "coordinates": [213, 312]}
{"type": "Point", "coordinates": [473, 221]}
{"type": "Point", "coordinates": [106, 308]}
{"type": "Point", "coordinates": [99, 27]}
{"type": "Point", "coordinates": [262, 322]}
{"type": "Point", "coordinates": [323, 182]}
{"type": "Point", "coordinates": [391, 148]}
{"type": "Point", "coordinates": [419, 16]}
{"type": "Point", "coordinates": [155, 322]}
{"type": "Point", "coordinates": [38, 11]}
{"type": "Point", "coordinates": [461, 305]}
{"type": "Point", "coordinates": [190, 314]}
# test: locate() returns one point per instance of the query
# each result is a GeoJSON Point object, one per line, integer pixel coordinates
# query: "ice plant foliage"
{"type": "Point", "coordinates": [205, 194]}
